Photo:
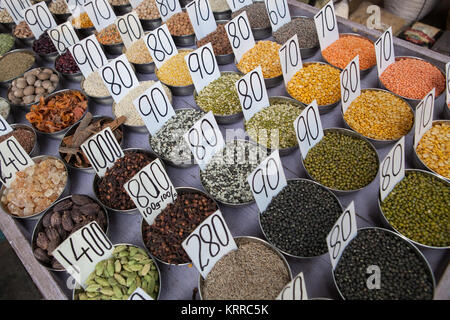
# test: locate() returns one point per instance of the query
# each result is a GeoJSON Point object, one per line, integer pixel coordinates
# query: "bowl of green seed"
{"type": "Point", "coordinates": [14, 64]}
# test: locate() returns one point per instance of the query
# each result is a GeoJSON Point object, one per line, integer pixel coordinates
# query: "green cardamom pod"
{"type": "Point", "coordinates": [99, 268]}
{"type": "Point", "coordinates": [117, 266]}
{"type": "Point", "coordinates": [120, 279]}
{"type": "Point", "coordinates": [145, 269]}
{"type": "Point", "coordinates": [110, 267]}
{"type": "Point", "coordinates": [136, 267]}
{"type": "Point", "coordinates": [93, 288]}
{"type": "Point", "coordinates": [101, 281]}
{"type": "Point", "coordinates": [82, 296]}
{"type": "Point", "coordinates": [112, 281]}
{"type": "Point", "coordinates": [132, 288]}
{"type": "Point", "coordinates": [107, 291]}
{"type": "Point", "coordinates": [124, 260]}
{"type": "Point", "coordinates": [117, 292]}
{"type": "Point", "coordinates": [93, 294]}
{"type": "Point", "coordinates": [130, 281]}
{"type": "Point", "coordinates": [123, 254]}
{"type": "Point", "coordinates": [133, 251]}
{"type": "Point", "coordinates": [119, 249]}
{"type": "Point", "coordinates": [127, 268]}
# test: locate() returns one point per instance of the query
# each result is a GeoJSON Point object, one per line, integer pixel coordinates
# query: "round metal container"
{"type": "Point", "coordinates": [84, 32]}
{"type": "Point", "coordinates": [388, 224]}
{"type": "Point", "coordinates": [9, 117]}
{"type": "Point", "coordinates": [283, 251]}
{"type": "Point", "coordinates": [35, 216]}
{"type": "Point", "coordinates": [49, 57]}
{"type": "Point", "coordinates": [113, 49]}
{"type": "Point", "coordinates": [417, 251]}
{"type": "Point", "coordinates": [35, 150]}
{"type": "Point", "coordinates": [254, 239]}
{"type": "Point", "coordinates": [39, 227]}
{"type": "Point", "coordinates": [179, 90]}
{"type": "Point", "coordinates": [122, 9]}
{"type": "Point", "coordinates": [273, 82]}
{"type": "Point", "coordinates": [183, 3]}
{"type": "Point", "coordinates": [222, 59]}
{"type": "Point", "coordinates": [30, 52]}
{"type": "Point", "coordinates": [150, 24]}
{"type": "Point", "coordinates": [25, 42]}
{"type": "Point", "coordinates": [8, 25]}
{"type": "Point", "coordinates": [351, 134]}
{"type": "Point", "coordinates": [139, 129]}
{"type": "Point", "coordinates": [61, 17]}
{"type": "Point", "coordinates": [77, 288]}
{"type": "Point", "coordinates": [261, 33]}
{"type": "Point", "coordinates": [223, 15]}
{"type": "Point", "coordinates": [185, 40]}
{"type": "Point", "coordinates": [141, 67]}
{"type": "Point", "coordinates": [375, 142]}
{"type": "Point", "coordinates": [99, 100]}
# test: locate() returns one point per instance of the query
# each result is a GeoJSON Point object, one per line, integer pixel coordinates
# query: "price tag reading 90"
{"type": "Point", "coordinates": [350, 83]}
{"type": "Point", "coordinates": [252, 93]}
{"type": "Point", "coordinates": [15, 9]}
{"type": "Point", "coordinates": [237, 4]}
{"type": "Point", "coordinates": [161, 46]}
{"type": "Point", "coordinates": [240, 35]}
{"type": "Point", "coordinates": [63, 36]}
{"type": "Point", "coordinates": [13, 158]}
{"type": "Point", "coordinates": [39, 18]}
{"type": "Point", "coordinates": [130, 28]}
{"type": "Point", "coordinates": [202, 65]}
{"type": "Point", "coordinates": [209, 242]}
{"type": "Point", "coordinates": [392, 169]}
{"type": "Point", "coordinates": [202, 18]}
{"type": "Point", "coordinates": [308, 128]}
{"type": "Point", "coordinates": [278, 12]}
{"type": "Point", "coordinates": [424, 116]}
{"type": "Point", "coordinates": [290, 58]}
{"type": "Point", "coordinates": [5, 128]}
{"type": "Point", "coordinates": [384, 51]}
{"type": "Point", "coordinates": [167, 8]}
{"type": "Point", "coordinates": [88, 55]}
{"type": "Point", "coordinates": [326, 26]}
{"type": "Point", "coordinates": [294, 290]}
{"type": "Point", "coordinates": [100, 12]}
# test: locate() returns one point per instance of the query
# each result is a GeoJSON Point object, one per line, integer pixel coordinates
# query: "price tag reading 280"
{"type": "Point", "coordinates": [167, 8]}
{"type": "Point", "coordinates": [63, 36]}
{"type": "Point", "coordinates": [130, 28]}
{"type": "Point", "coordinates": [88, 55]}
{"type": "Point", "coordinates": [100, 12]}
{"type": "Point", "coordinates": [202, 65]}
{"type": "Point", "coordinates": [209, 242]}
{"type": "Point", "coordinates": [151, 190]}
{"type": "Point", "coordinates": [308, 128]}
{"type": "Point", "coordinates": [240, 35]}
{"type": "Point", "coordinates": [252, 93]}
{"type": "Point", "coordinates": [5, 128]}
{"type": "Point", "coordinates": [350, 83]}
{"type": "Point", "coordinates": [326, 26]}
{"type": "Point", "coordinates": [161, 46]}
{"type": "Point", "coordinates": [290, 58]}
{"type": "Point", "coordinates": [39, 18]}
{"type": "Point", "coordinates": [102, 150]}
{"type": "Point", "coordinates": [202, 17]}
{"type": "Point", "coordinates": [384, 51]}
{"type": "Point", "coordinates": [392, 169]}
{"type": "Point", "coordinates": [278, 12]}
{"type": "Point", "coordinates": [13, 158]}
{"type": "Point", "coordinates": [424, 116]}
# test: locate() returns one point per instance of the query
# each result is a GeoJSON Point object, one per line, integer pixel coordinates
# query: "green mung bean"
{"type": "Point", "coordinates": [6, 43]}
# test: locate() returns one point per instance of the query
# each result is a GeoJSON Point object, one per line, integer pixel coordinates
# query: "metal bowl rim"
{"type": "Point", "coordinates": [28, 51]}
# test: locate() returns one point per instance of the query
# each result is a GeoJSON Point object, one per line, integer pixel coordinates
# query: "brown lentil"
{"type": "Point", "coordinates": [22, 31]}
{"type": "Point", "coordinates": [175, 72]}
{"type": "Point", "coordinates": [179, 24]}
{"type": "Point", "coordinates": [147, 10]}
{"type": "Point", "coordinates": [219, 41]}
{"type": "Point", "coordinates": [138, 53]}
{"type": "Point", "coordinates": [24, 136]}
{"type": "Point", "coordinates": [59, 7]}
{"type": "Point", "coordinates": [264, 54]}
{"type": "Point", "coordinates": [305, 29]}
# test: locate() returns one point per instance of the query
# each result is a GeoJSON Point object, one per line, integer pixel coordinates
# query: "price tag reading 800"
{"type": "Point", "coordinates": [209, 242]}
{"type": "Point", "coordinates": [350, 83]}
{"type": "Point", "coordinates": [392, 169]}
{"type": "Point", "coordinates": [267, 180]}
{"type": "Point", "coordinates": [130, 28]}
{"type": "Point", "coordinates": [151, 190]}
{"type": "Point", "coordinates": [13, 158]}
{"type": "Point", "coordinates": [119, 77]}
{"type": "Point", "coordinates": [294, 290]}
{"type": "Point", "coordinates": [88, 55]}
{"type": "Point", "coordinates": [290, 58]}
{"type": "Point", "coordinates": [202, 65]}
{"type": "Point", "coordinates": [424, 116]}
{"type": "Point", "coordinates": [100, 12]}
{"type": "Point", "coordinates": [161, 46]}
{"type": "Point", "coordinates": [63, 36]}
{"type": "Point", "coordinates": [240, 35]}
{"type": "Point", "coordinates": [167, 8]}
{"type": "Point", "coordinates": [5, 128]}
{"type": "Point", "coordinates": [326, 26]}
{"type": "Point", "coordinates": [237, 4]}
{"type": "Point", "coordinates": [103, 150]}
{"type": "Point", "coordinates": [252, 93]}
{"type": "Point", "coordinates": [139, 294]}
{"type": "Point", "coordinates": [384, 51]}
{"type": "Point", "coordinates": [308, 128]}
{"type": "Point", "coordinates": [202, 18]}
{"type": "Point", "coordinates": [204, 139]}
{"type": "Point", "coordinates": [278, 12]}
{"type": "Point", "coordinates": [15, 9]}
{"type": "Point", "coordinates": [82, 250]}
{"type": "Point", "coordinates": [39, 18]}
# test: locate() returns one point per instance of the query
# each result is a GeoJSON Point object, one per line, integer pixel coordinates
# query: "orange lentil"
{"type": "Point", "coordinates": [82, 21]}
{"type": "Point", "coordinates": [264, 54]}
{"type": "Point", "coordinates": [109, 35]}
{"type": "Point", "coordinates": [413, 78]}
{"type": "Point", "coordinates": [347, 47]}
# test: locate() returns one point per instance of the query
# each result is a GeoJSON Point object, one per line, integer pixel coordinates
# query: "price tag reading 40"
{"type": "Point", "coordinates": [151, 190]}
{"type": "Point", "coordinates": [100, 12]}
{"type": "Point", "coordinates": [209, 242]}
{"type": "Point", "coordinates": [424, 116]}
{"type": "Point", "coordinates": [39, 18]}
{"type": "Point", "coordinates": [82, 250]}
{"type": "Point", "coordinates": [202, 65]}
{"type": "Point", "coordinates": [15, 9]}
{"type": "Point", "coordinates": [13, 158]}
{"type": "Point", "coordinates": [167, 8]}
{"type": "Point", "coordinates": [267, 180]}
{"type": "Point", "coordinates": [308, 128]}
{"type": "Point", "coordinates": [350, 83]}
{"type": "Point", "coordinates": [139, 294]}
{"type": "Point", "coordinates": [103, 150]}
{"type": "Point", "coordinates": [5, 128]}
{"type": "Point", "coordinates": [240, 35]}
{"type": "Point", "coordinates": [130, 28]}
{"type": "Point", "coordinates": [343, 231]}
{"type": "Point", "coordinates": [88, 55]}
{"type": "Point", "coordinates": [63, 36]}
{"type": "Point", "coordinates": [294, 290]}
{"type": "Point", "coordinates": [290, 58]}
{"type": "Point", "coordinates": [384, 51]}
{"type": "Point", "coordinates": [202, 17]}
{"type": "Point", "coordinates": [278, 12]}
{"type": "Point", "coordinates": [392, 169]}
{"type": "Point", "coordinates": [252, 93]}
{"type": "Point", "coordinates": [237, 4]}
{"type": "Point", "coordinates": [326, 26]}
{"type": "Point", "coordinates": [161, 46]}
{"type": "Point", "coordinates": [119, 77]}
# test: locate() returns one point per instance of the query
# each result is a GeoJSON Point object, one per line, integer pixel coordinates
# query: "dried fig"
{"type": "Point", "coordinates": [66, 221]}
{"type": "Point", "coordinates": [46, 221]}
{"type": "Point", "coordinates": [41, 255]}
{"type": "Point", "coordinates": [42, 241]}
{"type": "Point", "coordinates": [56, 219]}
{"type": "Point", "coordinates": [63, 205]}
{"type": "Point", "coordinates": [53, 245]}
{"type": "Point", "coordinates": [52, 234]}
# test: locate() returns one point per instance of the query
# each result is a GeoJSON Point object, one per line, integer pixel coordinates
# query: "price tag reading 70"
{"type": "Point", "coordinates": [308, 128]}
{"type": "Point", "coordinates": [13, 158]}
{"type": "Point", "coordinates": [202, 17]}
{"type": "Point", "coordinates": [100, 12]}
{"type": "Point", "coordinates": [424, 116]}
{"type": "Point", "coordinates": [384, 51]}
{"type": "Point", "coordinates": [326, 25]}
{"type": "Point", "coordinates": [290, 58]}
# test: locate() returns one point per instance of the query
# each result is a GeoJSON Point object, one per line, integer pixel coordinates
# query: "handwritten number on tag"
{"type": "Point", "coordinates": [195, 140]}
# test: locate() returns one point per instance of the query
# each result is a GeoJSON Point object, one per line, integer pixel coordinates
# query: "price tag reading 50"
{"type": "Point", "coordinates": [161, 46]}
{"type": "Point", "coordinates": [12, 159]}
{"type": "Point", "coordinates": [308, 128]}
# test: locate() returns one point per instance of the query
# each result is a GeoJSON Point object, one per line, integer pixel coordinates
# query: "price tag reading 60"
{"type": "Point", "coordinates": [392, 169]}
{"type": "Point", "coordinates": [88, 55]}
{"type": "Point", "coordinates": [13, 158]}
{"type": "Point", "coordinates": [308, 128]}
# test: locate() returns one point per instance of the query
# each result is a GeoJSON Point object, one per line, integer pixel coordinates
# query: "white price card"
{"type": "Point", "coordinates": [63, 36]}
{"type": "Point", "coordinates": [151, 190]}
{"type": "Point", "coordinates": [15, 9]}
{"type": "Point", "coordinates": [130, 28]}
{"type": "Point", "coordinates": [2, 6]}
{"type": "Point", "coordinates": [161, 46]}
{"type": "Point", "coordinates": [350, 83]}
{"type": "Point", "coordinates": [343, 231]}
{"type": "Point", "coordinates": [76, 6]}
{"type": "Point", "coordinates": [135, 3]}
{"type": "Point", "coordinates": [154, 107]}
{"type": "Point", "coordinates": [203, 67]}
{"type": "Point", "coordinates": [392, 169]}
{"type": "Point", "coordinates": [384, 51]}
{"type": "Point", "coordinates": [424, 116]}
{"type": "Point", "coordinates": [252, 93]}
{"type": "Point", "coordinates": [267, 180]}
{"type": "Point", "coordinates": [5, 128]}
{"type": "Point", "coordinates": [202, 18]}
{"type": "Point", "coordinates": [100, 12]}
{"type": "Point", "coordinates": [209, 242]}
{"type": "Point", "coordinates": [204, 139]}
{"type": "Point", "coordinates": [102, 150]}
{"type": "Point", "coordinates": [119, 77]}
{"type": "Point", "coordinates": [308, 128]}
{"type": "Point", "coordinates": [278, 12]}
{"type": "Point", "coordinates": [290, 58]}
{"type": "Point", "coordinates": [13, 158]}
{"type": "Point", "coordinates": [240, 35]}
{"type": "Point", "coordinates": [167, 8]}
{"type": "Point", "coordinates": [237, 4]}
{"type": "Point", "coordinates": [82, 250]}
{"type": "Point", "coordinates": [88, 55]}
{"type": "Point", "coordinates": [326, 26]}
{"type": "Point", "coordinates": [295, 289]}
{"type": "Point", "coordinates": [39, 18]}
{"type": "Point", "coordinates": [139, 294]}
{"type": "Point", "coordinates": [447, 73]}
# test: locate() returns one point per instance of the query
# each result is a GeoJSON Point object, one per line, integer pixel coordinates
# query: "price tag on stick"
{"type": "Point", "coordinates": [308, 128]}
{"type": "Point", "coordinates": [237, 4]}
{"type": "Point", "coordinates": [39, 18]}
{"type": "Point", "coordinates": [119, 77]}
{"type": "Point", "coordinates": [100, 12]}
{"type": "Point", "coordinates": [88, 55]}
{"type": "Point", "coordinates": [240, 35]}
{"type": "Point", "coordinates": [424, 116]}
{"type": "Point", "coordinates": [151, 190]}
{"type": "Point", "coordinates": [63, 36]}
{"type": "Point", "coordinates": [278, 12]}
{"type": "Point", "coordinates": [15, 9]}
{"type": "Point", "coordinates": [350, 83]}
{"type": "Point", "coordinates": [267, 180]}
{"type": "Point", "coordinates": [82, 250]}
{"type": "Point", "coordinates": [154, 107]}
{"type": "Point", "coordinates": [384, 51]}
{"type": "Point", "coordinates": [139, 294]}
{"type": "Point", "coordinates": [13, 158]}
{"type": "Point", "coordinates": [5, 128]}
{"type": "Point", "coordinates": [202, 18]}
{"type": "Point", "coordinates": [209, 242]}
{"type": "Point", "coordinates": [167, 8]}
{"type": "Point", "coordinates": [392, 169]}
{"type": "Point", "coordinates": [290, 58]}
{"type": "Point", "coordinates": [130, 28]}
{"type": "Point", "coordinates": [203, 67]}
{"type": "Point", "coordinates": [294, 290]}
{"type": "Point", "coordinates": [326, 26]}
{"type": "Point", "coordinates": [252, 93]}
{"type": "Point", "coordinates": [161, 46]}
{"type": "Point", "coordinates": [102, 150]}
{"type": "Point", "coordinates": [204, 139]}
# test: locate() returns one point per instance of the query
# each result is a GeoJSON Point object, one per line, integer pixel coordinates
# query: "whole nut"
{"type": "Point", "coordinates": [28, 90]}
{"type": "Point", "coordinates": [43, 76]}
{"type": "Point", "coordinates": [29, 99]}
{"type": "Point", "coordinates": [18, 93]}
{"type": "Point", "coordinates": [56, 219]}
{"type": "Point", "coordinates": [38, 83]}
{"type": "Point", "coordinates": [31, 79]}
{"type": "Point", "coordinates": [54, 78]}
{"type": "Point", "coordinates": [46, 84]}
{"type": "Point", "coordinates": [42, 241]}
{"type": "Point", "coordinates": [39, 91]}
{"type": "Point", "coordinates": [20, 83]}
{"type": "Point", "coordinates": [47, 70]}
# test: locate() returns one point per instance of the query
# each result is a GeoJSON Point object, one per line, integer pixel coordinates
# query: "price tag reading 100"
{"type": "Point", "coordinates": [63, 36]}
{"type": "Point", "coordinates": [15, 8]}
{"type": "Point", "coordinates": [392, 169]}
{"type": "Point", "coordinates": [161, 46]}
{"type": "Point", "coordinates": [13, 158]}
{"type": "Point", "coordinates": [88, 55]}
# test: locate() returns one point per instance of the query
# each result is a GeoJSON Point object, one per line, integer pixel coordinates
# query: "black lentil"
{"type": "Point", "coordinates": [305, 29]}
{"type": "Point", "coordinates": [256, 13]}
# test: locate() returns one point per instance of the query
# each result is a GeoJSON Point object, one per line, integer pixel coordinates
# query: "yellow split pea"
{"type": "Point", "coordinates": [175, 72]}
{"type": "Point", "coordinates": [264, 54]}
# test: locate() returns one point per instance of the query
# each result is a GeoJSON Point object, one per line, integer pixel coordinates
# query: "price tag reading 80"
{"type": "Point", "coordinates": [103, 150]}
{"type": "Point", "coordinates": [82, 250]}
{"type": "Point", "coordinates": [240, 35]}
{"type": "Point", "coordinates": [202, 18]}
{"type": "Point", "coordinates": [161, 46]}
{"type": "Point", "coordinates": [119, 77]}
{"type": "Point", "coordinates": [326, 25]}
{"type": "Point", "coordinates": [167, 8]}
{"type": "Point", "coordinates": [294, 290]}
{"type": "Point", "coordinates": [237, 4]}
{"type": "Point", "coordinates": [15, 9]}
{"type": "Point", "coordinates": [343, 231]}
{"type": "Point", "coordinates": [384, 51]}
{"type": "Point", "coordinates": [88, 55]}
{"type": "Point", "coordinates": [13, 158]}
{"type": "Point", "coordinates": [424, 116]}
{"type": "Point", "coordinates": [100, 12]}
{"type": "Point", "coordinates": [5, 128]}
{"type": "Point", "coordinates": [278, 12]}
{"type": "Point", "coordinates": [39, 18]}
{"type": "Point", "coordinates": [130, 28]}
{"type": "Point", "coordinates": [139, 294]}
{"type": "Point", "coordinates": [63, 36]}
{"type": "Point", "coordinates": [209, 242]}
{"type": "Point", "coordinates": [392, 169]}
{"type": "Point", "coordinates": [350, 83]}
{"type": "Point", "coordinates": [202, 65]}
{"type": "Point", "coordinates": [308, 128]}
{"type": "Point", "coordinates": [290, 58]}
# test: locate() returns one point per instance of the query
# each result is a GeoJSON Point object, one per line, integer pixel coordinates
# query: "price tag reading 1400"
{"type": "Point", "coordinates": [424, 116]}
{"type": "Point", "coordinates": [202, 65]}
{"type": "Point", "coordinates": [88, 55]}
{"type": "Point", "coordinates": [63, 36]}
{"type": "Point", "coordinates": [392, 169]}
{"type": "Point", "coordinates": [308, 128]}
{"type": "Point", "coordinates": [39, 18]}
{"type": "Point", "coordinates": [326, 26]}
{"type": "Point", "coordinates": [13, 158]}
{"type": "Point", "coordinates": [240, 35]}
{"type": "Point", "coordinates": [161, 46]}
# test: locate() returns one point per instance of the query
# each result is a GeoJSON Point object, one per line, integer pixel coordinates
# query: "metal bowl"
{"type": "Point", "coordinates": [8, 25]}
{"type": "Point", "coordinates": [9, 117]}
{"type": "Point", "coordinates": [39, 227]}
{"type": "Point", "coordinates": [185, 40]}
{"type": "Point", "coordinates": [262, 33]}
{"type": "Point", "coordinates": [375, 142]}
{"type": "Point", "coordinates": [351, 134]}
{"type": "Point", "coordinates": [141, 67]}
{"type": "Point", "coordinates": [49, 57]}
{"type": "Point", "coordinates": [250, 239]}
{"type": "Point", "coordinates": [99, 100]}
{"type": "Point", "coordinates": [150, 24]}
{"type": "Point", "coordinates": [71, 131]}
{"type": "Point", "coordinates": [178, 90]}
{"type": "Point", "coordinates": [35, 150]}
{"type": "Point", "coordinates": [417, 251]}
{"type": "Point", "coordinates": [179, 190]}
{"type": "Point", "coordinates": [283, 251]}
{"type": "Point", "coordinates": [30, 52]}
{"type": "Point", "coordinates": [25, 42]}
{"type": "Point", "coordinates": [113, 49]}
{"type": "Point", "coordinates": [84, 32]}
{"type": "Point", "coordinates": [61, 17]}
{"type": "Point", "coordinates": [74, 77]}
{"type": "Point", "coordinates": [35, 216]}
{"type": "Point", "coordinates": [139, 129]}
{"type": "Point", "coordinates": [122, 9]}
{"type": "Point", "coordinates": [223, 15]}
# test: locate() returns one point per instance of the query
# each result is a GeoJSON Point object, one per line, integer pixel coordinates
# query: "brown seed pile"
{"type": "Point", "coordinates": [147, 10]}
{"type": "Point", "coordinates": [25, 137]}
{"type": "Point", "coordinates": [22, 31]}
{"type": "Point", "coordinates": [256, 13]}
{"type": "Point", "coordinates": [180, 25]}
{"type": "Point", "coordinates": [219, 41]}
